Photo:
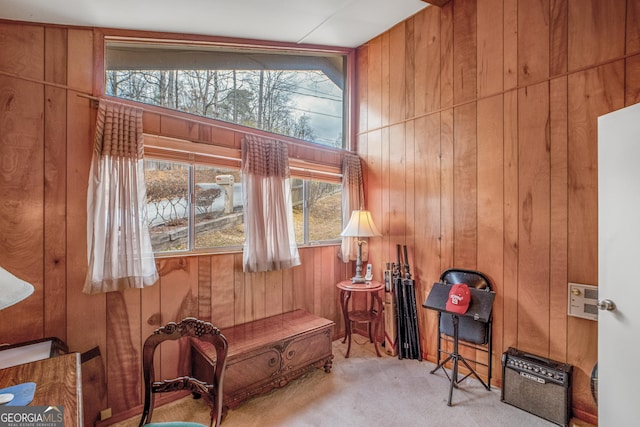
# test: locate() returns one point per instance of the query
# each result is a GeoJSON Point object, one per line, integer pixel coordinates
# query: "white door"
{"type": "Point", "coordinates": [619, 266]}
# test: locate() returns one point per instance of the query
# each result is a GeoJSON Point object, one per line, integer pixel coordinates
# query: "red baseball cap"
{"type": "Point", "coordinates": [459, 298]}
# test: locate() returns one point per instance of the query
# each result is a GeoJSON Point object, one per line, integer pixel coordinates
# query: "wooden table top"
{"type": "Point", "coordinates": [58, 383]}
{"type": "Point", "coordinates": [370, 286]}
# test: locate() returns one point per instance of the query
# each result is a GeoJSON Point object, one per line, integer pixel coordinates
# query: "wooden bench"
{"type": "Point", "coordinates": [267, 353]}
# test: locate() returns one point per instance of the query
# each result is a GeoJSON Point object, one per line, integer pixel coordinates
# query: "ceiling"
{"type": "Point", "coordinates": [345, 23]}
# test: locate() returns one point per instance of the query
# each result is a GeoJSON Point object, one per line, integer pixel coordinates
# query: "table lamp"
{"type": "Point", "coordinates": [360, 225]}
{"type": "Point", "coordinates": [12, 289]}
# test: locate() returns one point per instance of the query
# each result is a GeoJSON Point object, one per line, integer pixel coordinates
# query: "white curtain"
{"type": "Point", "coordinates": [118, 245]}
{"type": "Point", "coordinates": [352, 199]}
{"type": "Point", "coordinates": [270, 242]}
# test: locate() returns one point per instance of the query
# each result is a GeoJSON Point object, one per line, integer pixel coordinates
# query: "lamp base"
{"type": "Point", "coordinates": [356, 279]}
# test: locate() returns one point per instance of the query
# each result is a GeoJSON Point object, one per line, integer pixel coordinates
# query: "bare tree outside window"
{"type": "Point", "coordinates": [246, 88]}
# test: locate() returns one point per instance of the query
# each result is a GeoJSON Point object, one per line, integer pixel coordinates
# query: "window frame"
{"type": "Point", "coordinates": [349, 104]}
{"type": "Point", "coordinates": [195, 154]}
{"type": "Point", "coordinates": [177, 134]}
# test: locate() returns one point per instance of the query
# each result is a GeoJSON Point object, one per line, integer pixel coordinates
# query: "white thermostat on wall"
{"type": "Point", "coordinates": [583, 301]}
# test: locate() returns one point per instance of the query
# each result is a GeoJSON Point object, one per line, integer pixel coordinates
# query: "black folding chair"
{"type": "Point", "coordinates": [473, 334]}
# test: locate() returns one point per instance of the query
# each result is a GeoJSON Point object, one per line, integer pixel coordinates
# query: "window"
{"type": "Point", "coordinates": [317, 208]}
{"type": "Point", "coordinates": [297, 93]}
{"type": "Point", "coordinates": [193, 207]}
{"type": "Point", "coordinates": [194, 200]}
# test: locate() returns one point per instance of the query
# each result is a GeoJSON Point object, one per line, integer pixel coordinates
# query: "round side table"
{"type": "Point", "coordinates": [370, 317]}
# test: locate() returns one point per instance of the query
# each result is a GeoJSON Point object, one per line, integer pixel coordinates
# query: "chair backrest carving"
{"type": "Point", "coordinates": [209, 388]}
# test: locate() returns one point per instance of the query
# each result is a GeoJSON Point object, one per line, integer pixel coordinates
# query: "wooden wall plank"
{"type": "Point", "coordinates": [490, 205]}
{"type": "Point", "coordinates": [317, 278]}
{"type": "Point", "coordinates": [55, 197]}
{"type": "Point", "coordinates": [387, 179]}
{"type": "Point", "coordinates": [633, 27]}
{"type": "Point", "coordinates": [178, 299]}
{"type": "Point", "coordinates": [373, 162]}
{"type": "Point", "coordinates": [21, 213]}
{"type": "Point", "coordinates": [595, 32]}
{"type": "Point", "coordinates": [55, 55]}
{"type": "Point", "coordinates": [287, 291]}
{"type": "Point", "coordinates": [273, 293]}
{"type": "Point", "coordinates": [534, 227]}
{"type": "Point", "coordinates": [374, 83]}
{"type": "Point", "coordinates": [326, 288]}
{"type": "Point", "coordinates": [256, 290]}
{"type": "Point", "coordinates": [176, 128]}
{"type": "Point", "coordinates": [464, 51]}
{"type": "Point", "coordinates": [446, 190]}
{"type": "Point", "coordinates": [80, 54]}
{"type": "Point", "coordinates": [490, 47]}
{"type": "Point", "coordinates": [427, 77]}
{"type": "Point", "coordinates": [362, 84]}
{"type": "Point", "coordinates": [221, 136]}
{"type": "Point", "coordinates": [410, 68]}
{"type": "Point", "coordinates": [558, 37]}
{"type": "Point", "coordinates": [222, 295]}
{"type": "Point", "coordinates": [465, 192]}
{"type": "Point", "coordinates": [22, 48]}
{"type": "Point", "coordinates": [150, 319]}
{"type": "Point", "coordinates": [465, 187]}
{"type": "Point", "coordinates": [397, 81]}
{"type": "Point", "coordinates": [303, 281]}
{"type": "Point", "coordinates": [342, 271]}
{"type": "Point", "coordinates": [511, 220]}
{"type": "Point", "coordinates": [238, 293]}
{"type": "Point", "coordinates": [385, 76]}
{"type": "Point", "coordinates": [204, 288]}
{"type": "Point", "coordinates": [426, 266]}
{"type": "Point", "coordinates": [55, 141]}
{"type": "Point", "coordinates": [124, 349]}
{"type": "Point", "coordinates": [510, 45]}
{"type": "Point", "coordinates": [533, 41]}
{"type": "Point", "coordinates": [446, 52]}
{"type": "Point", "coordinates": [410, 179]}
{"type": "Point", "coordinates": [396, 211]}
{"type": "Point", "coordinates": [559, 219]}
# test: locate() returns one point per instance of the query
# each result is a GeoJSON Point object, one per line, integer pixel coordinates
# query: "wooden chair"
{"type": "Point", "coordinates": [210, 388]}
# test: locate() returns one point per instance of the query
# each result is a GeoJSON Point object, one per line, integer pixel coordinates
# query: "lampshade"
{"type": "Point", "coordinates": [360, 225]}
{"type": "Point", "coordinates": [12, 289]}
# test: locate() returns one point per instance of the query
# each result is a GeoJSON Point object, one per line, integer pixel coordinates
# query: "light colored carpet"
{"type": "Point", "coordinates": [364, 390]}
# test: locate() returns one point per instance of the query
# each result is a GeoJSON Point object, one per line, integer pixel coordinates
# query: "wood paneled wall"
{"type": "Point", "coordinates": [46, 134]}
{"type": "Point", "coordinates": [477, 123]}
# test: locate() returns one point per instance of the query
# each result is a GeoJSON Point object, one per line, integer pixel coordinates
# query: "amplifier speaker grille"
{"type": "Point", "coordinates": [526, 385]}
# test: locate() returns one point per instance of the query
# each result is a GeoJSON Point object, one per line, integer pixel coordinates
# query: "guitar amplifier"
{"type": "Point", "coordinates": [537, 385]}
